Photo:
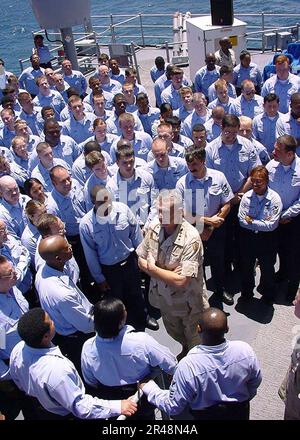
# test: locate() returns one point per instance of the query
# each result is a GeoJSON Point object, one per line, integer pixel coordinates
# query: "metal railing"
{"type": "Point", "coordinates": [140, 31]}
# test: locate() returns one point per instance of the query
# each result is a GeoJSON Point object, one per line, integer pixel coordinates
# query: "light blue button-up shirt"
{"type": "Point", "coordinates": [29, 239]}
{"type": "Point", "coordinates": [79, 169]}
{"type": "Point", "coordinates": [264, 130]}
{"type": "Point", "coordinates": [14, 215]}
{"type": "Point", "coordinates": [15, 252]}
{"type": "Point", "coordinates": [34, 121]}
{"type": "Point", "coordinates": [112, 124]}
{"type": "Point", "coordinates": [212, 93]}
{"type": "Point", "coordinates": [182, 113]}
{"type": "Point", "coordinates": [159, 86]}
{"type": "Point", "coordinates": [105, 146]}
{"type": "Point", "coordinates": [209, 375]}
{"type": "Point", "coordinates": [66, 112]}
{"type": "Point", "coordinates": [213, 130]}
{"type": "Point", "coordinates": [27, 79]}
{"type": "Point", "coordinates": [138, 194]}
{"type": "Point", "coordinates": [264, 211]}
{"type": "Point", "coordinates": [70, 208]}
{"type": "Point", "coordinates": [236, 162]}
{"type": "Point", "coordinates": [205, 78]}
{"type": "Point", "coordinates": [166, 178]}
{"type": "Point", "coordinates": [214, 192]}
{"type": "Point", "coordinates": [172, 96]}
{"type": "Point", "coordinates": [54, 99]}
{"type": "Point", "coordinates": [141, 145]}
{"type": "Point", "coordinates": [155, 73]}
{"type": "Point", "coordinates": [67, 149]}
{"type": "Point", "coordinates": [108, 100]}
{"type": "Point", "coordinates": [125, 359]}
{"type": "Point", "coordinates": [282, 89]}
{"type": "Point", "coordinates": [148, 119]}
{"type": "Point", "coordinates": [77, 80]}
{"type": "Point", "coordinates": [44, 373]}
{"type": "Point", "coordinates": [288, 125]}
{"type": "Point", "coordinates": [12, 306]}
{"type": "Point", "coordinates": [250, 108]}
{"type": "Point", "coordinates": [43, 174]}
{"type": "Point", "coordinates": [79, 130]}
{"type": "Point", "coordinates": [63, 301]}
{"type": "Point", "coordinates": [110, 241]}
{"type": "Point", "coordinates": [229, 107]}
{"type": "Point", "coordinates": [6, 137]}
{"type": "Point", "coordinates": [240, 73]}
{"type": "Point", "coordinates": [92, 181]}
{"type": "Point", "coordinates": [287, 184]}
{"type": "Point", "coordinates": [193, 119]}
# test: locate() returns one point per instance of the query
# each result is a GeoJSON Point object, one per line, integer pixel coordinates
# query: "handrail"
{"type": "Point", "coordinates": [110, 30]}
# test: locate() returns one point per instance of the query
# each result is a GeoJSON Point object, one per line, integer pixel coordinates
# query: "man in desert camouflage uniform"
{"type": "Point", "coordinates": [172, 255]}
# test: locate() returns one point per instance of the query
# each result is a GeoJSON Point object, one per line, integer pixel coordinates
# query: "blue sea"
{"type": "Point", "coordinates": [18, 20]}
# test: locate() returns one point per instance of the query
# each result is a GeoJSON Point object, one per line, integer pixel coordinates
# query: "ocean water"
{"type": "Point", "coordinates": [18, 20]}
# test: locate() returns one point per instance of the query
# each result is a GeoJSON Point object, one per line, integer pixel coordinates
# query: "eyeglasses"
{"type": "Point", "coordinates": [251, 92]}
{"type": "Point", "coordinates": [3, 230]}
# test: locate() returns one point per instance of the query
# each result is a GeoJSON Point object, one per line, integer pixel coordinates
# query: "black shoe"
{"type": "Point", "coordinates": [267, 300]}
{"type": "Point", "coordinates": [227, 298]}
{"type": "Point", "coordinates": [151, 323]}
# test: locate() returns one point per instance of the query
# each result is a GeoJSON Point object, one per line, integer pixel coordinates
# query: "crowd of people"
{"type": "Point", "coordinates": [112, 208]}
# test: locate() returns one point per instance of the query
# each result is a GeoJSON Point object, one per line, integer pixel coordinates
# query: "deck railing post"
{"type": "Point", "coordinates": [167, 51]}
{"type": "Point", "coordinates": [112, 29]}
{"type": "Point", "coordinates": [142, 30]}
{"type": "Point", "coordinates": [135, 62]}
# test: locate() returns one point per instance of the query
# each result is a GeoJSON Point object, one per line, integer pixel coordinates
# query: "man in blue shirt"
{"type": "Point", "coordinates": [46, 96]}
{"type": "Point", "coordinates": [207, 74]}
{"type": "Point", "coordinates": [158, 70]}
{"type": "Point", "coordinates": [118, 357]}
{"type": "Point", "coordinates": [290, 122]}
{"type": "Point", "coordinates": [79, 126]}
{"type": "Point", "coordinates": [284, 83]}
{"type": "Point", "coordinates": [62, 299]}
{"type": "Point", "coordinates": [41, 371]}
{"type": "Point", "coordinates": [235, 156]}
{"type": "Point", "coordinates": [216, 380]}
{"type": "Point", "coordinates": [12, 306]}
{"type": "Point", "coordinates": [12, 206]}
{"type": "Point", "coordinates": [259, 215]}
{"type": "Point", "coordinates": [110, 233]}
{"type": "Point", "coordinates": [27, 79]}
{"type": "Point", "coordinates": [165, 169]}
{"type": "Point", "coordinates": [265, 124]}
{"type": "Point", "coordinates": [206, 196]}
{"type": "Point", "coordinates": [246, 70]}
{"type": "Point", "coordinates": [74, 78]}
{"type": "Point", "coordinates": [284, 177]}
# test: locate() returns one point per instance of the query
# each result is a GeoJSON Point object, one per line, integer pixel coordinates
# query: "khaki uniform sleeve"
{"type": "Point", "coordinates": [191, 258]}
{"type": "Point", "coordinates": [142, 249]}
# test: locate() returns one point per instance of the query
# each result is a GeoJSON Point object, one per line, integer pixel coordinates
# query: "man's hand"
{"type": "Point", "coordinates": [178, 269]}
{"type": "Point", "coordinates": [248, 219]}
{"type": "Point", "coordinates": [216, 221]}
{"type": "Point", "coordinates": [104, 286]}
{"type": "Point", "coordinates": [142, 263]}
{"type": "Point", "coordinates": [284, 221]}
{"type": "Point", "coordinates": [128, 407]}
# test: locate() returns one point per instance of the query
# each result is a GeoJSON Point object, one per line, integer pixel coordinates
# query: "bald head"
{"type": "Point", "coordinates": [213, 325]}
{"type": "Point", "coordinates": [55, 250]}
{"type": "Point", "coordinates": [9, 190]}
